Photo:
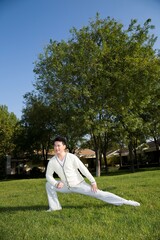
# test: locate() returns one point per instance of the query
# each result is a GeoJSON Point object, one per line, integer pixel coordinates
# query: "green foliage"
{"type": "Point", "coordinates": [100, 82]}
{"type": "Point", "coordinates": [8, 124]}
{"type": "Point", "coordinates": [23, 204]}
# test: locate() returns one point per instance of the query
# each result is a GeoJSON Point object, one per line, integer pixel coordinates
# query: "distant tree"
{"type": "Point", "coordinates": [8, 124]}
{"type": "Point", "coordinates": [38, 122]}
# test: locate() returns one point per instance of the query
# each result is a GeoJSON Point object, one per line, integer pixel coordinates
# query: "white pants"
{"type": "Point", "coordinates": [83, 188]}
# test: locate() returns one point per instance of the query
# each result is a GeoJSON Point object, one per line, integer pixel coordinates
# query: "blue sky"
{"type": "Point", "coordinates": [27, 26]}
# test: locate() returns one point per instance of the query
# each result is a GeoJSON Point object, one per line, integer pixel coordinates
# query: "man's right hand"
{"type": "Point", "coordinates": [60, 185]}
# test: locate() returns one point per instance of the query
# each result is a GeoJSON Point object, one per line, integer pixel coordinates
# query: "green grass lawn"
{"type": "Point", "coordinates": [23, 204]}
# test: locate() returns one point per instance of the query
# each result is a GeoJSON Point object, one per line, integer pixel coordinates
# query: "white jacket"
{"type": "Point", "coordinates": [69, 172]}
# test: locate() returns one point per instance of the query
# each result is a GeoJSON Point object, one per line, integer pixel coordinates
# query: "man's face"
{"type": "Point", "coordinates": [59, 147]}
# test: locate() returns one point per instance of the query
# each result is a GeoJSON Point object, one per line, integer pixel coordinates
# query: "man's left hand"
{"type": "Point", "coordinates": [94, 187]}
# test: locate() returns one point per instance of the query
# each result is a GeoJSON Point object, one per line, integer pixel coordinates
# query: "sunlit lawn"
{"type": "Point", "coordinates": [23, 205]}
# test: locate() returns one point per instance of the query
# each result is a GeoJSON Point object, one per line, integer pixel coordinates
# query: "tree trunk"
{"type": "Point", "coordinates": [105, 160]}
{"type": "Point", "coordinates": [157, 151]}
{"type": "Point", "coordinates": [97, 151]}
{"type": "Point", "coordinates": [120, 158]}
{"type": "Point", "coordinates": [98, 166]}
{"type": "Point", "coordinates": [136, 158]}
{"type": "Point", "coordinates": [130, 147]}
{"type": "Point", "coordinates": [104, 145]}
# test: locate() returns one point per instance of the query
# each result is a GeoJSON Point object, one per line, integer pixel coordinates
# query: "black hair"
{"type": "Point", "coordinates": [60, 139]}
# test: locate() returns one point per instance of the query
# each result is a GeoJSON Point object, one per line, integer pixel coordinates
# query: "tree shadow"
{"type": "Point", "coordinates": [23, 208]}
{"type": "Point", "coordinates": [44, 208]}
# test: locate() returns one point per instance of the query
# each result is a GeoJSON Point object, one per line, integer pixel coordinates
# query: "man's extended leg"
{"type": "Point", "coordinates": [85, 188]}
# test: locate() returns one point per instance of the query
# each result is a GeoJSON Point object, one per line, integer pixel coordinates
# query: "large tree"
{"type": "Point", "coordinates": [101, 75]}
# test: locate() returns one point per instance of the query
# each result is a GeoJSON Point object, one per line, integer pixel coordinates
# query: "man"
{"type": "Point", "coordinates": [69, 168]}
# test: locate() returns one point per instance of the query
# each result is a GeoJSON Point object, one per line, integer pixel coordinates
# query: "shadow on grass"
{"type": "Point", "coordinates": [22, 208]}
{"type": "Point", "coordinates": [44, 208]}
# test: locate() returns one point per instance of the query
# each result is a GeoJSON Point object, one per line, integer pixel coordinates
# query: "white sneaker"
{"type": "Point", "coordinates": [51, 210]}
{"type": "Point", "coordinates": [133, 203]}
